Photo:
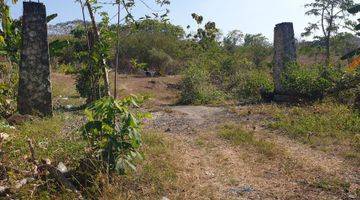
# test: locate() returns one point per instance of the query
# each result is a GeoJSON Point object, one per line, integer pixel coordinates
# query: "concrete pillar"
{"type": "Point", "coordinates": [34, 96]}
{"type": "Point", "coordinates": [285, 52]}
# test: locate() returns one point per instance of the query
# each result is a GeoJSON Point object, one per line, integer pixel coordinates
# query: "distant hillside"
{"type": "Point", "coordinates": [63, 28]}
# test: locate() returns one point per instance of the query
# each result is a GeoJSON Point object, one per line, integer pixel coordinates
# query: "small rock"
{"type": "Point", "coordinates": [165, 198]}
{"type": "Point", "coordinates": [241, 191]}
{"type": "Point", "coordinates": [168, 130]}
{"type": "Point", "coordinates": [62, 168]}
{"type": "Point", "coordinates": [4, 136]}
{"type": "Point", "coordinates": [69, 107]}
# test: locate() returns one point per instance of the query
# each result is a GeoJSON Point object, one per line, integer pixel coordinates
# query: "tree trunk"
{"type": "Point", "coordinates": [327, 46]}
{"type": "Point", "coordinates": [97, 39]}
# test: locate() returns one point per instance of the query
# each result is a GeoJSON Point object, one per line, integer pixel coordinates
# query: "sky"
{"type": "Point", "coordinates": [249, 16]}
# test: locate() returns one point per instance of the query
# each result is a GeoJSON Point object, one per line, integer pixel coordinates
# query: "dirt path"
{"type": "Point", "coordinates": [213, 168]}
{"type": "Point", "coordinates": [219, 170]}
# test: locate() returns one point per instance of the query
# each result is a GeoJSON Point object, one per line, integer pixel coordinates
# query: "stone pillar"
{"type": "Point", "coordinates": [285, 52]}
{"type": "Point", "coordinates": [34, 96]}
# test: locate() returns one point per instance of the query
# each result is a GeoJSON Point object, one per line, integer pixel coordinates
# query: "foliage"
{"type": "Point", "coordinates": [90, 81]}
{"type": "Point", "coordinates": [233, 40]}
{"type": "Point", "coordinates": [248, 84]}
{"type": "Point", "coordinates": [156, 43]}
{"type": "Point", "coordinates": [331, 16]}
{"type": "Point", "coordinates": [205, 36]}
{"type": "Point", "coordinates": [255, 48]}
{"type": "Point", "coordinates": [196, 87]}
{"type": "Point", "coordinates": [353, 10]}
{"type": "Point", "coordinates": [10, 37]}
{"type": "Point", "coordinates": [309, 83]}
{"type": "Point", "coordinates": [347, 88]}
{"type": "Point", "coordinates": [113, 131]}
{"type": "Point", "coordinates": [6, 102]}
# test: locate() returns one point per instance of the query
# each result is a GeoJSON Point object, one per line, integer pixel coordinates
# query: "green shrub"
{"type": "Point", "coordinates": [249, 83]}
{"type": "Point", "coordinates": [162, 62]}
{"type": "Point", "coordinates": [113, 132]}
{"type": "Point", "coordinates": [89, 83]}
{"type": "Point", "coordinates": [310, 83]}
{"type": "Point", "coordinates": [196, 87]}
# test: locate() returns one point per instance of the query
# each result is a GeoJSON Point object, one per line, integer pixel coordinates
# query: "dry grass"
{"type": "Point", "coordinates": [238, 135]}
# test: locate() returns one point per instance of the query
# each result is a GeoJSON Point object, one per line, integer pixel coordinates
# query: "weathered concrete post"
{"type": "Point", "coordinates": [34, 96]}
{"type": "Point", "coordinates": [285, 52]}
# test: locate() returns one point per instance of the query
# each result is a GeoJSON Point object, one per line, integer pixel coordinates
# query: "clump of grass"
{"type": "Point", "coordinates": [237, 135]}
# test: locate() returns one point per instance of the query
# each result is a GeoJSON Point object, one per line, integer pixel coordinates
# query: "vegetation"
{"type": "Point", "coordinates": [98, 146]}
{"type": "Point", "coordinates": [238, 136]}
{"type": "Point", "coordinates": [331, 17]}
{"type": "Point", "coordinates": [113, 132]}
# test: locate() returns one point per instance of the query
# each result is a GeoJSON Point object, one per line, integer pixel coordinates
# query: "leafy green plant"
{"type": "Point", "coordinates": [309, 83]}
{"type": "Point", "coordinates": [113, 131]}
{"type": "Point", "coordinates": [196, 87]}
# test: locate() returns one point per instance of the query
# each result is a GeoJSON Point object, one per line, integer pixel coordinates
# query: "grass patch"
{"type": "Point", "coordinates": [50, 141]}
{"type": "Point", "coordinates": [238, 136]}
{"type": "Point", "coordinates": [332, 184]}
{"type": "Point", "coordinates": [322, 126]}
{"type": "Point", "coordinates": [157, 174]}
{"type": "Point", "coordinates": [323, 120]}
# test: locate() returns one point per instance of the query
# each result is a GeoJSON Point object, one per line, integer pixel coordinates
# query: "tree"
{"type": "Point", "coordinates": [232, 40]}
{"type": "Point", "coordinates": [354, 10]}
{"type": "Point", "coordinates": [331, 16]}
{"type": "Point", "coordinates": [100, 37]}
{"type": "Point", "coordinates": [256, 47]}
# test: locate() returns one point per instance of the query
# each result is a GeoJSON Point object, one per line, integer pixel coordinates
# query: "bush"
{"type": "Point", "coordinates": [85, 84]}
{"type": "Point", "coordinates": [196, 87]}
{"type": "Point", "coordinates": [113, 132]}
{"type": "Point", "coordinates": [162, 62]}
{"type": "Point", "coordinates": [249, 83]}
{"type": "Point", "coordinates": [309, 83]}
{"type": "Point", "coordinates": [221, 76]}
